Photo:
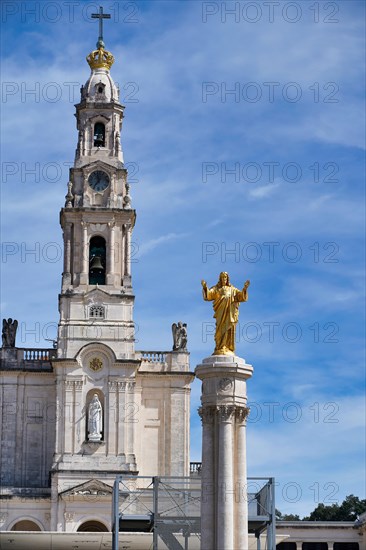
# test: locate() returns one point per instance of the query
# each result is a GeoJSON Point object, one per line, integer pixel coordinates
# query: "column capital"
{"type": "Point", "coordinates": [224, 412]}
{"type": "Point", "coordinates": [241, 414]}
{"type": "Point", "coordinates": [207, 414]}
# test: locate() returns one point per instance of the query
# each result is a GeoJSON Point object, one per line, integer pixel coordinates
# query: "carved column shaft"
{"type": "Point", "coordinates": [241, 478]}
{"type": "Point", "coordinates": [127, 270]}
{"type": "Point", "coordinates": [110, 257]}
{"type": "Point", "coordinates": [112, 411]}
{"type": "Point", "coordinates": [67, 251]}
{"type": "Point", "coordinates": [84, 254]}
{"type": "Point", "coordinates": [207, 415]}
{"type": "Point", "coordinates": [225, 504]}
{"type": "Point", "coordinates": [130, 411]}
{"type": "Point", "coordinates": [121, 413]}
{"type": "Point", "coordinates": [69, 416]}
{"type": "Point", "coordinates": [79, 427]}
{"type": "Point", "coordinates": [224, 509]}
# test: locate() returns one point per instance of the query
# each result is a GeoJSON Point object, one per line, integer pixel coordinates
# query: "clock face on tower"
{"type": "Point", "coordinates": [98, 180]}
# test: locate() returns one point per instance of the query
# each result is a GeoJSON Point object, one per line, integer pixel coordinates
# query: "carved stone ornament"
{"type": "Point", "coordinates": [115, 385]}
{"type": "Point", "coordinates": [241, 414]}
{"type": "Point", "coordinates": [69, 516]}
{"type": "Point", "coordinates": [225, 385]}
{"type": "Point", "coordinates": [207, 414]}
{"type": "Point", "coordinates": [92, 487]}
{"type": "Point", "coordinates": [226, 412]}
{"type": "Point", "coordinates": [96, 364]}
{"type": "Point", "coordinates": [98, 226]}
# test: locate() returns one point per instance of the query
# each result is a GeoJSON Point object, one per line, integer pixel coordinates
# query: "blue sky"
{"type": "Point", "coordinates": [244, 136]}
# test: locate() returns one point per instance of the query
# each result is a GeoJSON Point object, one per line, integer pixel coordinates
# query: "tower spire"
{"type": "Point", "coordinates": [100, 15]}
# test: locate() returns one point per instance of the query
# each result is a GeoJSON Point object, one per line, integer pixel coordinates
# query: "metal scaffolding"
{"type": "Point", "coordinates": [170, 509]}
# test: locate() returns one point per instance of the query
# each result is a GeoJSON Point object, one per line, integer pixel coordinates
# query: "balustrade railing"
{"type": "Point", "coordinates": [154, 356]}
{"type": "Point", "coordinates": [38, 354]}
{"type": "Point", "coordinates": [195, 468]}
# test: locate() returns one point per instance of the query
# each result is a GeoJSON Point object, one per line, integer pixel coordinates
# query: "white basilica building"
{"type": "Point", "coordinates": [76, 416]}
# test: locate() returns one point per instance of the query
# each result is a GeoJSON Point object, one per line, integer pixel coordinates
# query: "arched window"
{"type": "Point", "coordinates": [92, 526]}
{"type": "Point", "coordinates": [26, 525]}
{"type": "Point", "coordinates": [100, 89]}
{"type": "Point", "coordinates": [97, 312]}
{"type": "Point", "coordinates": [97, 255]}
{"type": "Point", "coordinates": [99, 134]}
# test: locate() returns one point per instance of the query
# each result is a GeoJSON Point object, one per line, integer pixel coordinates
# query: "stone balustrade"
{"type": "Point", "coordinates": [164, 361]}
{"type": "Point", "coordinates": [154, 356]}
{"type": "Point", "coordinates": [27, 359]}
{"type": "Point", "coordinates": [38, 354]}
{"type": "Point", "coordinates": [195, 468]}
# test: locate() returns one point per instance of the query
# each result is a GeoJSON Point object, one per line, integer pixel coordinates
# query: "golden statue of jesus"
{"type": "Point", "coordinates": [226, 300]}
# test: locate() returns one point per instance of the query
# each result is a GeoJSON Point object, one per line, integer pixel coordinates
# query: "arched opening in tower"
{"type": "Point", "coordinates": [97, 261]}
{"type": "Point", "coordinates": [99, 134]}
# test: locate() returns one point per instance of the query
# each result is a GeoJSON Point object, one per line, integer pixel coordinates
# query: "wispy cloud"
{"type": "Point", "coordinates": [152, 244]}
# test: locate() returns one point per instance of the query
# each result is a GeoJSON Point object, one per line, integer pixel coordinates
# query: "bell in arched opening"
{"type": "Point", "coordinates": [99, 134]}
{"type": "Point", "coordinates": [97, 256]}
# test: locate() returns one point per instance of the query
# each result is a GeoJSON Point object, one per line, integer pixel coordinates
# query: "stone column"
{"type": "Point", "coordinates": [129, 423]}
{"type": "Point", "coordinates": [59, 418]}
{"type": "Point", "coordinates": [241, 414]}
{"type": "Point", "coordinates": [121, 417]}
{"type": "Point", "coordinates": [79, 427]}
{"type": "Point", "coordinates": [110, 257]}
{"type": "Point", "coordinates": [111, 437]}
{"type": "Point", "coordinates": [69, 417]}
{"type": "Point", "coordinates": [66, 276]}
{"type": "Point", "coordinates": [225, 477]}
{"type": "Point", "coordinates": [84, 255]}
{"type": "Point", "coordinates": [207, 415]}
{"type": "Point", "coordinates": [224, 509]}
{"type": "Point", "coordinates": [127, 253]}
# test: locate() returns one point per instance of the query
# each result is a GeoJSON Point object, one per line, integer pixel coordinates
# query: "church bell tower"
{"type": "Point", "coordinates": [95, 407]}
{"type": "Point", "coordinates": [96, 299]}
{"type": "Point", "coordinates": [96, 364]}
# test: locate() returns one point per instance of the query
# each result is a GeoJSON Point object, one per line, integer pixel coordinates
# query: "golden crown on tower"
{"type": "Point", "coordinates": [100, 59]}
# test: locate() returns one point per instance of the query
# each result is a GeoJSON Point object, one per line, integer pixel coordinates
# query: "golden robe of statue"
{"type": "Point", "coordinates": [226, 300]}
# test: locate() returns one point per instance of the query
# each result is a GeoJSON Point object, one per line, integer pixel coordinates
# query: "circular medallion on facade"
{"type": "Point", "coordinates": [225, 384]}
{"type": "Point", "coordinates": [95, 364]}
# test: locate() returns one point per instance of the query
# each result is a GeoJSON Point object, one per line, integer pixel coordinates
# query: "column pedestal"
{"type": "Point", "coordinates": [224, 507]}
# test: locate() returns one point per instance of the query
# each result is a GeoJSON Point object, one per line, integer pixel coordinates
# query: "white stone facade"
{"type": "Point", "coordinates": [56, 469]}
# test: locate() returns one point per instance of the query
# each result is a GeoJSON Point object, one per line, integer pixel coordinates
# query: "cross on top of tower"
{"type": "Point", "coordinates": [100, 16]}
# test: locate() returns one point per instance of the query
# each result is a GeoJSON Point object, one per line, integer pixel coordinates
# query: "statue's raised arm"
{"type": "Point", "coordinates": [226, 299]}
